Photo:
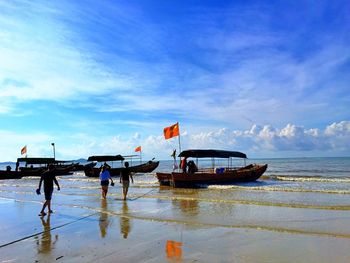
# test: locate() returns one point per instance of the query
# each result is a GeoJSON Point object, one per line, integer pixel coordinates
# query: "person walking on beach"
{"type": "Point", "coordinates": [105, 176]}
{"type": "Point", "coordinates": [49, 178]}
{"type": "Point", "coordinates": [125, 175]}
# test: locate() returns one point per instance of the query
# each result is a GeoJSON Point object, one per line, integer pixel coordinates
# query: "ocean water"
{"type": "Point", "coordinates": [299, 175]}
{"type": "Point", "coordinates": [319, 174]}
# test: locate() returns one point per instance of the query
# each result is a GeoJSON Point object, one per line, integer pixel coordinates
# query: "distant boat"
{"type": "Point", "coordinates": [214, 175]}
{"type": "Point", "coordinates": [115, 171]}
{"type": "Point", "coordinates": [9, 174]}
{"type": "Point", "coordinates": [72, 165]}
{"type": "Point", "coordinates": [35, 166]}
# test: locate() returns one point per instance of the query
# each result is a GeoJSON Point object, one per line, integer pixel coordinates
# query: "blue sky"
{"type": "Point", "coordinates": [268, 78]}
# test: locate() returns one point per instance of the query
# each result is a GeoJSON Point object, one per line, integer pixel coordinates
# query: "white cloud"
{"type": "Point", "coordinates": [39, 61]}
{"type": "Point", "coordinates": [256, 141]}
{"type": "Point", "coordinates": [54, 57]}
{"type": "Point", "coordinates": [136, 136]}
{"type": "Point", "coordinates": [340, 129]}
{"type": "Point", "coordinates": [12, 143]}
{"type": "Point", "coordinates": [338, 135]}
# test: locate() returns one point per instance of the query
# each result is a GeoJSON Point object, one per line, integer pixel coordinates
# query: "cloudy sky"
{"type": "Point", "coordinates": [268, 78]}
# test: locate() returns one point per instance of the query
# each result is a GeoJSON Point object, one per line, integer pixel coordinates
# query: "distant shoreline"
{"type": "Point", "coordinates": [258, 158]}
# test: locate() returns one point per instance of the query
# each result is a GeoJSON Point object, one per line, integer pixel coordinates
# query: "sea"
{"type": "Point", "coordinates": [322, 175]}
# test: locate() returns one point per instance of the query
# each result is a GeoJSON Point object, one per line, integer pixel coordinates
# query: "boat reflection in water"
{"type": "Point", "coordinates": [103, 221]}
{"type": "Point", "coordinates": [125, 225]}
{"type": "Point", "coordinates": [188, 204]}
{"type": "Point", "coordinates": [189, 207]}
{"type": "Point", "coordinates": [45, 244]}
{"type": "Point", "coordinates": [173, 250]}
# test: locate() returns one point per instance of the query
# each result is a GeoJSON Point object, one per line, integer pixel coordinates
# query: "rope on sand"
{"type": "Point", "coordinates": [138, 197]}
{"type": "Point", "coordinates": [79, 219]}
{"type": "Point", "coordinates": [39, 233]}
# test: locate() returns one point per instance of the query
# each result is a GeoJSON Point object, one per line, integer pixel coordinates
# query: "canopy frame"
{"type": "Point", "coordinates": [210, 153]}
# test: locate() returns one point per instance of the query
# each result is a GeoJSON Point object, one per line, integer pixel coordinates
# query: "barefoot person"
{"type": "Point", "coordinates": [105, 176]}
{"type": "Point", "coordinates": [124, 178]}
{"type": "Point", "coordinates": [49, 178]}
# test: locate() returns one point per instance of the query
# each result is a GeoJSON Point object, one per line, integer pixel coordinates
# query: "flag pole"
{"type": "Point", "coordinates": [179, 145]}
{"type": "Point", "coordinates": [141, 157]}
{"type": "Point", "coordinates": [179, 138]}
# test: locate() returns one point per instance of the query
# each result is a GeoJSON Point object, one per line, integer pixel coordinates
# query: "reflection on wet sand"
{"type": "Point", "coordinates": [45, 244]}
{"type": "Point", "coordinates": [173, 250]}
{"type": "Point", "coordinates": [125, 226]}
{"type": "Point", "coordinates": [189, 205]}
{"type": "Point", "coordinates": [103, 221]}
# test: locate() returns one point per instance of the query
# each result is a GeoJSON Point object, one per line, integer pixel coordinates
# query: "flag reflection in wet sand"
{"type": "Point", "coordinates": [173, 250]}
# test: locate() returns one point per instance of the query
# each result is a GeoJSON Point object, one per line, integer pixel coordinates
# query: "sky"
{"type": "Point", "coordinates": [267, 78]}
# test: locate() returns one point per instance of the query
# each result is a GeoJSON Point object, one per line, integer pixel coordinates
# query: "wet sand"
{"type": "Point", "coordinates": [171, 225]}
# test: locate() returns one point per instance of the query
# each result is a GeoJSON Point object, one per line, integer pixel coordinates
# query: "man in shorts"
{"type": "Point", "coordinates": [124, 179]}
{"type": "Point", "coordinates": [49, 178]}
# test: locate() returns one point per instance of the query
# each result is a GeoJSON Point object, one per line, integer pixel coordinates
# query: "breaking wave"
{"type": "Point", "coordinates": [296, 178]}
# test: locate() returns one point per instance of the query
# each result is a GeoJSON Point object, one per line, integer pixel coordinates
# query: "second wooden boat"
{"type": "Point", "coordinates": [115, 171]}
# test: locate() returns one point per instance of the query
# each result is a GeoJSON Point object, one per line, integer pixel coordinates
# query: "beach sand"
{"type": "Point", "coordinates": [169, 225]}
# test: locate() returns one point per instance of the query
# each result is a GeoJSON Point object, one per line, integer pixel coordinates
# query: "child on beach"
{"type": "Point", "coordinates": [105, 176]}
{"type": "Point", "coordinates": [49, 178]}
{"type": "Point", "coordinates": [124, 178]}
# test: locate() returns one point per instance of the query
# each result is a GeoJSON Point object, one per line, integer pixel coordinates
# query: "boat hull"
{"type": "Point", "coordinates": [142, 168]}
{"type": "Point", "coordinates": [10, 175]}
{"type": "Point", "coordinates": [38, 171]}
{"type": "Point", "coordinates": [246, 174]}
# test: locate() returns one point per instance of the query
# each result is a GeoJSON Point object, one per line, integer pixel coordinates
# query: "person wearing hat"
{"type": "Point", "coordinates": [105, 176]}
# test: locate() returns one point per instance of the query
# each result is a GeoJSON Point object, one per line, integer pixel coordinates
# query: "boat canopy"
{"type": "Point", "coordinates": [211, 154]}
{"type": "Point", "coordinates": [106, 158]}
{"type": "Point", "coordinates": [66, 161]}
{"type": "Point", "coordinates": [131, 156]}
{"type": "Point", "coordinates": [36, 160]}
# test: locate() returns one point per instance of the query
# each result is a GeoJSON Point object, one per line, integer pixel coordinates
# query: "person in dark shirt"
{"type": "Point", "coordinates": [125, 174]}
{"type": "Point", "coordinates": [49, 178]}
{"type": "Point", "coordinates": [192, 167]}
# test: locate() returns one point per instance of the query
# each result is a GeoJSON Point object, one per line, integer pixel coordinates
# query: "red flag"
{"type": "Point", "coordinates": [138, 149]}
{"type": "Point", "coordinates": [171, 131]}
{"type": "Point", "coordinates": [24, 150]}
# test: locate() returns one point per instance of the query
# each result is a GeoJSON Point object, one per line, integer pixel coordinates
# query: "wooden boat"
{"type": "Point", "coordinates": [8, 174]}
{"type": "Point", "coordinates": [82, 167]}
{"type": "Point", "coordinates": [71, 165]}
{"type": "Point", "coordinates": [42, 166]}
{"type": "Point", "coordinates": [209, 176]}
{"type": "Point", "coordinates": [115, 171]}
